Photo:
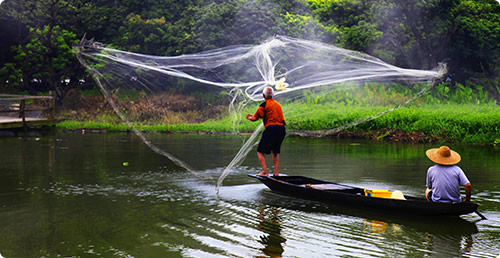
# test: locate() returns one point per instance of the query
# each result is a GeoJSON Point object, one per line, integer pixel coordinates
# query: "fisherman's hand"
{"type": "Point", "coordinates": [249, 117]}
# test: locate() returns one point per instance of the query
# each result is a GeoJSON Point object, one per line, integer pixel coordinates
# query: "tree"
{"type": "Point", "coordinates": [46, 61]}
{"type": "Point", "coordinates": [251, 22]}
{"type": "Point", "coordinates": [407, 33]}
{"type": "Point", "coordinates": [360, 36]}
{"type": "Point", "coordinates": [28, 27]}
{"type": "Point", "coordinates": [306, 27]}
{"type": "Point", "coordinates": [415, 32]}
{"type": "Point", "coordinates": [153, 36]}
{"type": "Point", "coordinates": [12, 29]}
{"type": "Point", "coordinates": [476, 38]}
{"type": "Point", "coordinates": [214, 25]}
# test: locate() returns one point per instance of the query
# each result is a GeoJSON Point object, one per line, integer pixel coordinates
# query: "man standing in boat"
{"type": "Point", "coordinates": [444, 178]}
{"type": "Point", "coordinates": [274, 122]}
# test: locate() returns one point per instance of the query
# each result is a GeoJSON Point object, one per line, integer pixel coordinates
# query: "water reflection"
{"type": "Point", "coordinates": [448, 246]}
{"type": "Point", "coordinates": [70, 195]}
{"type": "Point", "coordinates": [442, 236]}
{"type": "Point", "coordinates": [379, 227]}
{"type": "Point", "coordinates": [269, 223]}
{"type": "Point", "coordinates": [434, 236]}
{"type": "Point", "coordinates": [448, 237]}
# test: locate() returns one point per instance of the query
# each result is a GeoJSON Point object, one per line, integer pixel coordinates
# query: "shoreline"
{"type": "Point", "coordinates": [384, 135]}
{"type": "Point", "coordinates": [450, 123]}
{"type": "Point", "coordinates": [471, 120]}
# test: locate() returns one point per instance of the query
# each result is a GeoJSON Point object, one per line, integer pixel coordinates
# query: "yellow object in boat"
{"type": "Point", "coordinates": [398, 195]}
{"type": "Point", "coordinates": [380, 193]}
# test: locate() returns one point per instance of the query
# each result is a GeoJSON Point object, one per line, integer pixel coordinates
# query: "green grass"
{"type": "Point", "coordinates": [457, 123]}
{"type": "Point", "coordinates": [462, 114]}
{"type": "Point", "coordinates": [467, 123]}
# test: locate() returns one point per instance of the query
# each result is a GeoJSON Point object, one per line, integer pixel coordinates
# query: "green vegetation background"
{"type": "Point", "coordinates": [37, 36]}
{"type": "Point", "coordinates": [35, 47]}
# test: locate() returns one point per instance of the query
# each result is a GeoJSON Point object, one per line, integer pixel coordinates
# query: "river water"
{"type": "Point", "coordinates": [109, 195]}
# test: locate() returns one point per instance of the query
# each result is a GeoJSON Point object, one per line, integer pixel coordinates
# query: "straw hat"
{"type": "Point", "coordinates": [443, 155]}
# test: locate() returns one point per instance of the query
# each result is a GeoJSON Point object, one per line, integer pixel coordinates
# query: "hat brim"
{"type": "Point", "coordinates": [433, 155]}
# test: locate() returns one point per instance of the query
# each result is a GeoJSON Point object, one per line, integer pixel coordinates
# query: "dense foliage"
{"type": "Point", "coordinates": [37, 36]}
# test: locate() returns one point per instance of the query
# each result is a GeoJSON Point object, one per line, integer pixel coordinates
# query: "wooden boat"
{"type": "Point", "coordinates": [310, 188]}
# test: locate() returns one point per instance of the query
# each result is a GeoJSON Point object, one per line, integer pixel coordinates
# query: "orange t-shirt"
{"type": "Point", "coordinates": [270, 111]}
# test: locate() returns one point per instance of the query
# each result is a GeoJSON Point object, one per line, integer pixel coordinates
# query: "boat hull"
{"type": "Point", "coordinates": [297, 186]}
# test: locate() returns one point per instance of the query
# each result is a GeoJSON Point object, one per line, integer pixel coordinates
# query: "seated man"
{"type": "Point", "coordinates": [444, 178]}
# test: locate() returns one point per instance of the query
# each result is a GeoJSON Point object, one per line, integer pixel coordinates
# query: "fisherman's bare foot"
{"type": "Point", "coordinates": [263, 174]}
{"type": "Point", "coordinates": [276, 174]}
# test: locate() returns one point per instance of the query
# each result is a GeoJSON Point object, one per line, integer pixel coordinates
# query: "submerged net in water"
{"type": "Point", "coordinates": [310, 79]}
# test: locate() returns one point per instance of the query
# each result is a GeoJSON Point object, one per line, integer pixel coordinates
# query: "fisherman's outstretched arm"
{"type": "Point", "coordinates": [251, 117]}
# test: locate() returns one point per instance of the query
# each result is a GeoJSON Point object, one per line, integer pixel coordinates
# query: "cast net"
{"type": "Point", "coordinates": [323, 89]}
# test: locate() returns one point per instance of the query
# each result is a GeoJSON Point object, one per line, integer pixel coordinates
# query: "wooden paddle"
{"type": "Point", "coordinates": [480, 215]}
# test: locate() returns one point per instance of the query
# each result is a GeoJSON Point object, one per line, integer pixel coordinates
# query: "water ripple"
{"type": "Point", "coordinates": [247, 220]}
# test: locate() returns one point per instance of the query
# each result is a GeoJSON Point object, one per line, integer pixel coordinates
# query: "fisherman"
{"type": "Point", "coordinates": [274, 122]}
{"type": "Point", "coordinates": [444, 178]}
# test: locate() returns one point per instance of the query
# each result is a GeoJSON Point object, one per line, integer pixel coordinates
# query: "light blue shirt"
{"type": "Point", "coordinates": [445, 182]}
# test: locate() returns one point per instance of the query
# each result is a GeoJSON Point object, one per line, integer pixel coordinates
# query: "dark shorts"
{"type": "Point", "coordinates": [271, 139]}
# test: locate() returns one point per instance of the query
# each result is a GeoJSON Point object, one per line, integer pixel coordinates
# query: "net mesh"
{"type": "Point", "coordinates": [308, 77]}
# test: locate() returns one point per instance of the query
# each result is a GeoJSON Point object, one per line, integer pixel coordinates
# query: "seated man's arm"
{"type": "Point", "coordinates": [427, 190]}
{"type": "Point", "coordinates": [468, 192]}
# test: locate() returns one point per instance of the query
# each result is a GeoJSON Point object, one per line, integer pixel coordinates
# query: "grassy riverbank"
{"type": "Point", "coordinates": [460, 115]}
{"type": "Point", "coordinates": [467, 123]}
